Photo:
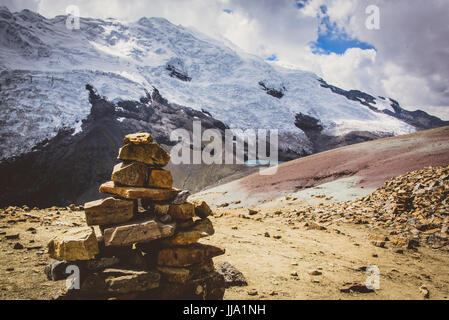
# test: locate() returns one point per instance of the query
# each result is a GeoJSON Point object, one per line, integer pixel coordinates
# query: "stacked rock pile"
{"type": "Point", "coordinates": [412, 209]}
{"type": "Point", "coordinates": [146, 244]}
{"type": "Point", "coordinates": [415, 204]}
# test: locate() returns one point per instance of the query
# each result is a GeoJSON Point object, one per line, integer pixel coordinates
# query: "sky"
{"type": "Point", "coordinates": [405, 56]}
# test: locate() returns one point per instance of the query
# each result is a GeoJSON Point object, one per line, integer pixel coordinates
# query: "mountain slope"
{"type": "Point", "coordinates": [69, 168]}
{"type": "Point", "coordinates": [45, 66]}
{"type": "Point", "coordinates": [346, 172]}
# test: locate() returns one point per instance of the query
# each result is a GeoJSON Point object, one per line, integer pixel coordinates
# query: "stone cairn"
{"type": "Point", "coordinates": [146, 243]}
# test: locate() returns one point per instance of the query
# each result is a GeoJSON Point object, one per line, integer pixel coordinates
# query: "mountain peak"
{"type": "Point", "coordinates": [124, 60]}
{"type": "Point", "coordinates": [5, 13]}
{"type": "Point", "coordinates": [150, 21]}
{"type": "Point", "coordinates": [29, 16]}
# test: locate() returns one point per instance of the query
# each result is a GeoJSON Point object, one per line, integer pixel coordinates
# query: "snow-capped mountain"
{"type": "Point", "coordinates": [45, 67]}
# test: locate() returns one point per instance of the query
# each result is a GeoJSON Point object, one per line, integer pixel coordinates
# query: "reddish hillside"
{"type": "Point", "coordinates": [373, 162]}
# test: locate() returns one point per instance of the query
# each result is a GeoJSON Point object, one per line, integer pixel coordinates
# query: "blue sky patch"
{"type": "Point", "coordinates": [229, 11]}
{"type": "Point", "coordinates": [332, 39]}
{"type": "Point", "coordinates": [301, 3]}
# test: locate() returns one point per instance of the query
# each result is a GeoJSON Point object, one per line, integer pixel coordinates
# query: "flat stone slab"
{"type": "Point", "coordinates": [159, 178]}
{"type": "Point", "coordinates": [120, 281]}
{"type": "Point", "coordinates": [137, 232]}
{"type": "Point", "coordinates": [138, 192]}
{"type": "Point", "coordinates": [127, 281]}
{"type": "Point", "coordinates": [108, 211]}
{"type": "Point", "coordinates": [151, 154]}
{"type": "Point", "coordinates": [138, 138]}
{"type": "Point", "coordinates": [201, 228]}
{"type": "Point", "coordinates": [183, 256]}
{"type": "Point", "coordinates": [184, 238]}
{"type": "Point", "coordinates": [56, 270]}
{"type": "Point", "coordinates": [183, 274]}
{"type": "Point", "coordinates": [131, 174]}
{"type": "Point", "coordinates": [75, 244]}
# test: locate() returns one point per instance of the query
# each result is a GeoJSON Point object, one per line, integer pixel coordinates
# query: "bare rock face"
{"type": "Point", "coordinates": [138, 138]}
{"type": "Point", "coordinates": [108, 211]}
{"type": "Point", "coordinates": [183, 256]}
{"type": "Point", "coordinates": [131, 174]}
{"type": "Point", "coordinates": [151, 154]}
{"type": "Point", "coordinates": [75, 244]}
{"type": "Point", "coordinates": [140, 232]}
{"type": "Point", "coordinates": [138, 192]}
{"type": "Point", "coordinates": [159, 178]}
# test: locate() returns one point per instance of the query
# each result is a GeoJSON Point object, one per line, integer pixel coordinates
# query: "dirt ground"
{"type": "Point", "coordinates": [22, 270]}
{"type": "Point", "coordinates": [275, 257]}
{"type": "Point", "coordinates": [340, 253]}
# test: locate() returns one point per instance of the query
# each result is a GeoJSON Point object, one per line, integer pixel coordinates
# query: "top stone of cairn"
{"type": "Point", "coordinates": [151, 154]}
{"type": "Point", "coordinates": [138, 138]}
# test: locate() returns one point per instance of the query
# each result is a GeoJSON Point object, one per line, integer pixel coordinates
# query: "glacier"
{"type": "Point", "coordinates": [44, 68]}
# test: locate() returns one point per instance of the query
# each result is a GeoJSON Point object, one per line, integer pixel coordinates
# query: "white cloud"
{"type": "Point", "coordinates": [337, 67]}
{"type": "Point", "coordinates": [412, 59]}
{"type": "Point", "coordinates": [17, 5]}
{"type": "Point", "coordinates": [411, 63]}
